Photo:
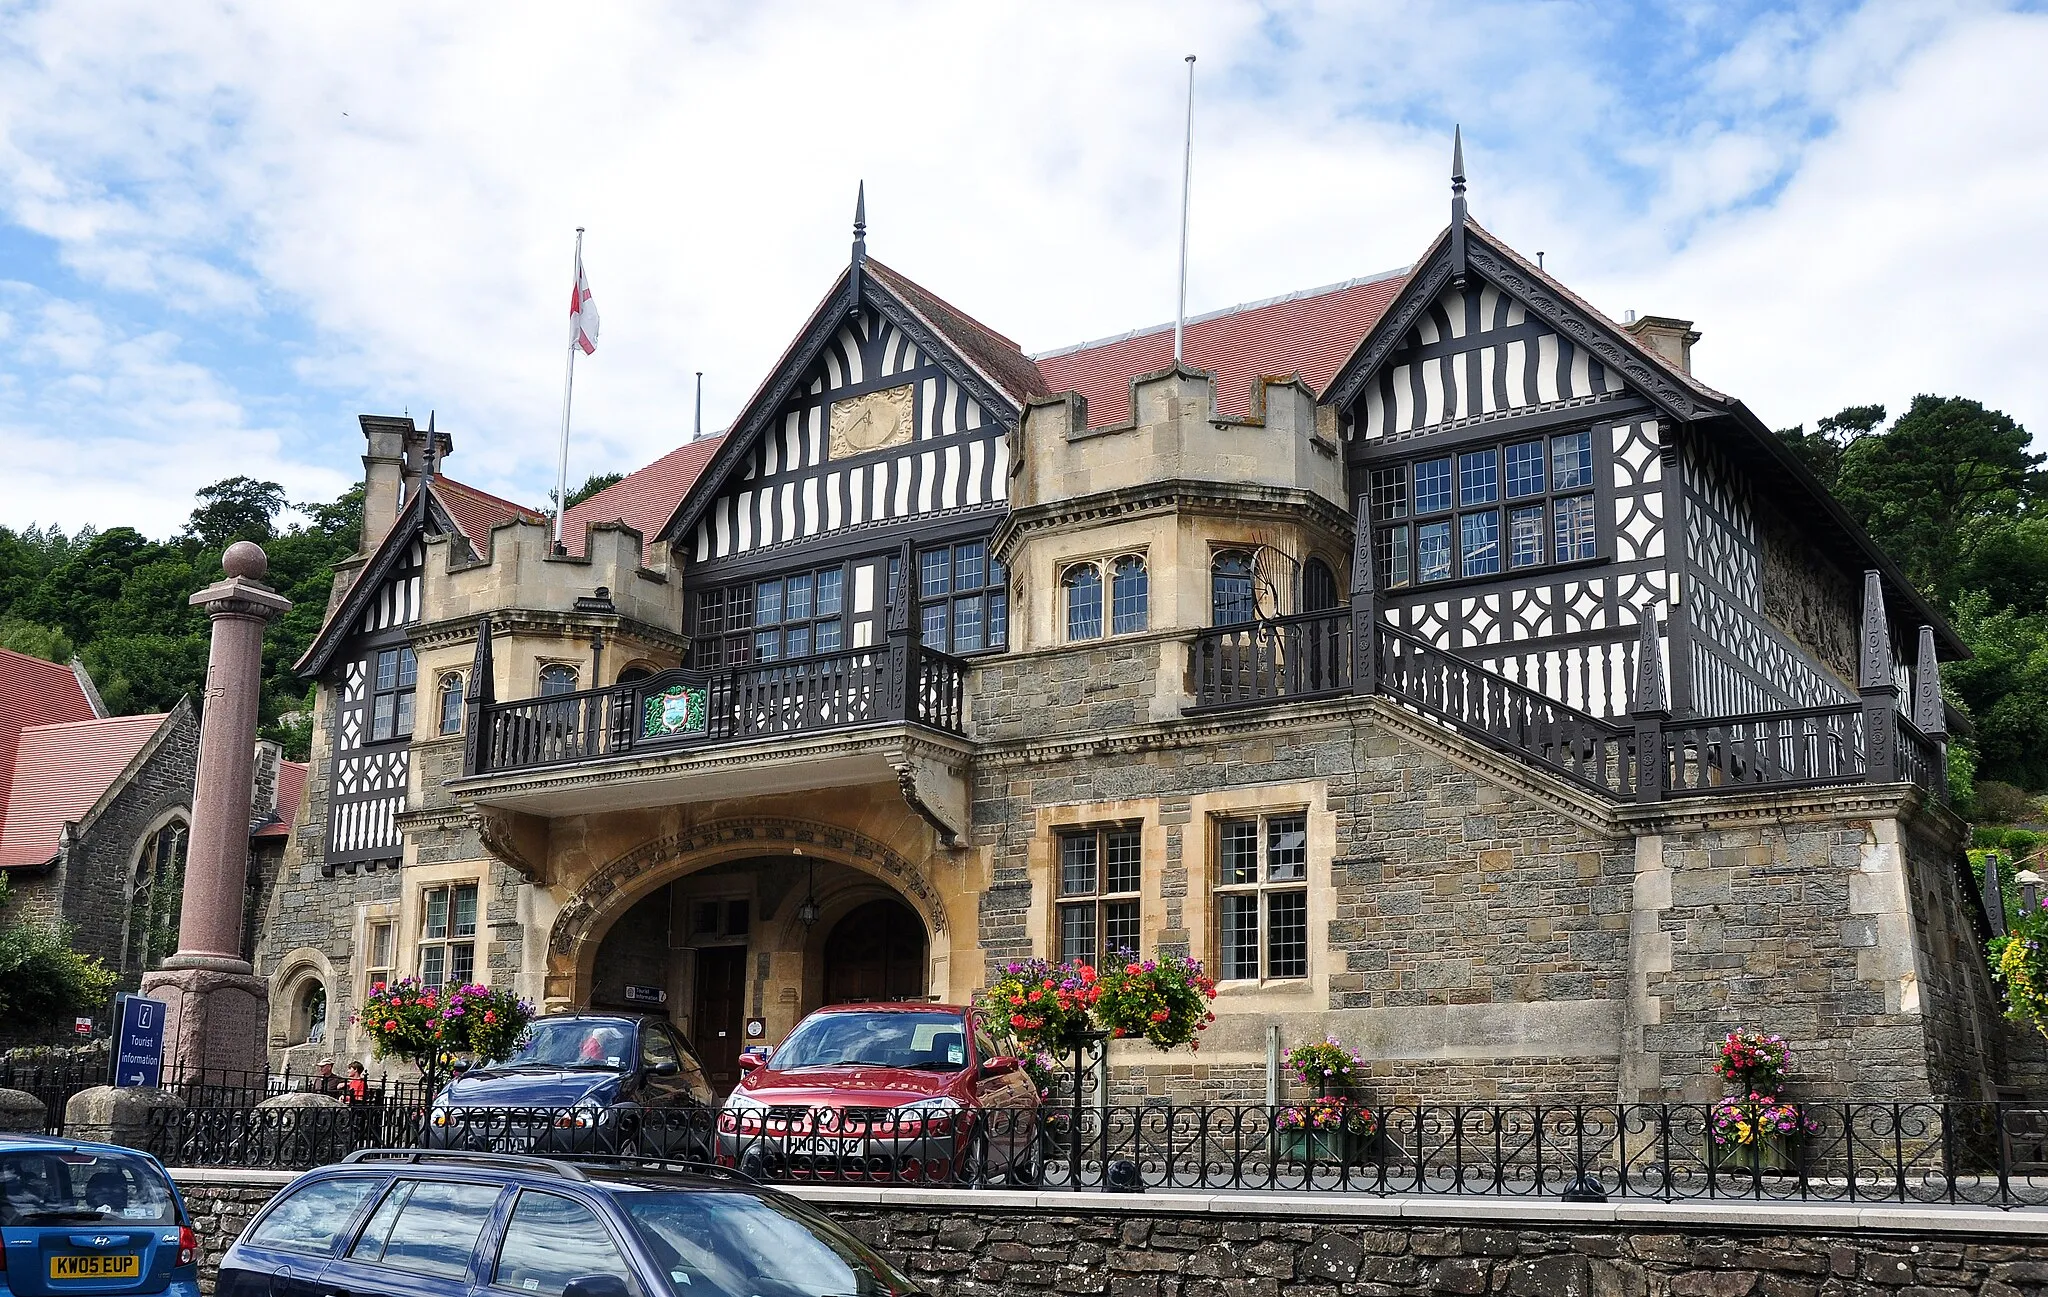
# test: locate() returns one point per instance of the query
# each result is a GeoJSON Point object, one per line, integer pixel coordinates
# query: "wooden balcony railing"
{"type": "Point", "coordinates": [1292, 659]}
{"type": "Point", "coordinates": [682, 709]}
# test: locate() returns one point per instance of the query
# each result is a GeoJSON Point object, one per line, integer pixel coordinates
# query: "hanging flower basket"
{"type": "Point", "coordinates": [1757, 1134]}
{"type": "Point", "coordinates": [1044, 1007]}
{"type": "Point", "coordinates": [1331, 1129]}
{"type": "Point", "coordinates": [1165, 1001]}
{"type": "Point", "coordinates": [422, 1024]}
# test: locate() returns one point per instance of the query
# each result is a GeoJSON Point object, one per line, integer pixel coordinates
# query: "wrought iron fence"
{"type": "Point", "coordinates": [1927, 1153]}
{"type": "Point", "coordinates": [56, 1077]}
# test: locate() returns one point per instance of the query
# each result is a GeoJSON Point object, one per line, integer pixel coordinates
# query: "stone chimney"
{"type": "Point", "coordinates": [1668, 337]}
{"type": "Point", "coordinates": [383, 474]}
{"type": "Point", "coordinates": [263, 788]}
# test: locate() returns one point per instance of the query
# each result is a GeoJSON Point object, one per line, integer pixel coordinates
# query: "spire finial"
{"type": "Point", "coordinates": [433, 449]}
{"type": "Point", "coordinates": [1458, 205]}
{"type": "Point", "coordinates": [860, 221]}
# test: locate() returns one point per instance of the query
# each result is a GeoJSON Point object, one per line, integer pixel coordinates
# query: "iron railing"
{"type": "Point", "coordinates": [1929, 1152]}
{"type": "Point", "coordinates": [1305, 656]}
{"type": "Point", "coordinates": [683, 709]}
{"type": "Point", "coordinates": [55, 1078]}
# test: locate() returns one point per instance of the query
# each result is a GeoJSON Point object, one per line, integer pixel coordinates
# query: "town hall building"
{"type": "Point", "coordinates": [1433, 657]}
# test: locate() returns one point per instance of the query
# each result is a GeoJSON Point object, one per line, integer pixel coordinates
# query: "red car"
{"type": "Point", "coordinates": [902, 1092]}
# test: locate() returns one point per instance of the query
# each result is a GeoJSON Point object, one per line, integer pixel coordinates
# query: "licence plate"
{"type": "Point", "coordinates": [102, 1266]}
{"type": "Point", "coordinates": [828, 1146]}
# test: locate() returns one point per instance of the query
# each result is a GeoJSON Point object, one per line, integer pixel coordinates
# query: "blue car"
{"type": "Point", "coordinates": [449, 1223]}
{"type": "Point", "coordinates": [80, 1219]}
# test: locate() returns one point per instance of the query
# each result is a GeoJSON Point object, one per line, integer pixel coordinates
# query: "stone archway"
{"type": "Point", "coordinates": [581, 924]}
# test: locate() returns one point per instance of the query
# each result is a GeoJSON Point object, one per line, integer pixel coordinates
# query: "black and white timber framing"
{"type": "Point", "coordinates": [1482, 348]}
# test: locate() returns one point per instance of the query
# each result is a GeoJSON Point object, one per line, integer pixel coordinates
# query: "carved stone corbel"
{"type": "Point", "coordinates": [936, 791]}
{"type": "Point", "coordinates": [519, 840]}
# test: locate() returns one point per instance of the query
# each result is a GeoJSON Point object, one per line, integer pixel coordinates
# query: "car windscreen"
{"type": "Point", "coordinates": [934, 1042]}
{"type": "Point", "coordinates": [717, 1244]}
{"type": "Point", "coordinates": [574, 1044]}
{"type": "Point", "coordinates": [62, 1185]}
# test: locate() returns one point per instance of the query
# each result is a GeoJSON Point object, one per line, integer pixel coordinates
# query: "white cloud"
{"type": "Point", "coordinates": [275, 216]}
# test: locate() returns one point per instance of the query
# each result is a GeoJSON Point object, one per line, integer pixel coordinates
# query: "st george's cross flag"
{"type": "Point", "coordinates": [582, 310]}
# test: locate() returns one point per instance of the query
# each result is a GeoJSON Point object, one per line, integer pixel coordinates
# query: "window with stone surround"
{"type": "Point", "coordinates": [156, 902]}
{"type": "Point", "coordinates": [1262, 896]}
{"type": "Point", "coordinates": [1098, 907]}
{"type": "Point", "coordinates": [451, 703]}
{"type": "Point", "coordinates": [380, 952]}
{"type": "Point", "coordinates": [448, 934]}
{"type": "Point", "coordinates": [1129, 588]}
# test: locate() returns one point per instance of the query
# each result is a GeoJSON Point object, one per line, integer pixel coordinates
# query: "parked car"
{"type": "Point", "coordinates": [888, 1092]}
{"type": "Point", "coordinates": [418, 1223]}
{"type": "Point", "coordinates": [83, 1218]}
{"type": "Point", "coordinates": [582, 1083]}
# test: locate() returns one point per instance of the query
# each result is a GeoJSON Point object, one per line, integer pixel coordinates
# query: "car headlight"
{"type": "Point", "coordinates": [740, 1101]}
{"type": "Point", "coordinates": [438, 1116]}
{"type": "Point", "coordinates": [928, 1116]}
{"type": "Point", "coordinates": [581, 1117]}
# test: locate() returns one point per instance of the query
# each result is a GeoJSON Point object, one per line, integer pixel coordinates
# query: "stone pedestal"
{"type": "Point", "coordinates": [21, 1111]}
{"type": "Point", "coordinates": [219, 1015]}
{"type": "Point", "coordinates": [117, 1116]}
{"type": "Point", "coordinates": [216, 1025]}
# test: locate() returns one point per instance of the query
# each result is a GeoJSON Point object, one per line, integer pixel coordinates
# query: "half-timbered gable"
{"type": "Point", "coordinates": [887, 425]}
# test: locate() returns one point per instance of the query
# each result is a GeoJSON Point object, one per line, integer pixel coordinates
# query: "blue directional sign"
{"type": "Point", "coordinates": [138, 1040]}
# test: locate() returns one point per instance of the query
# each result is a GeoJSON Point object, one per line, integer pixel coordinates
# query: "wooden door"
{"type": "Point", "coordinates": [876, 953]}
{"type": "Point", "coordinates": [718, 1018]}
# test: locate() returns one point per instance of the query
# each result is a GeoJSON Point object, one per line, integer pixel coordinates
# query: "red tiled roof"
{"type": "Point", "coordinates": [984, 348]}
{"type": "Point", "coordinates": [1309, 334]}
{"type": "Point", "coordinates": [645, 499]}
{"type": "Point", "coordinates": [60, 773]}
{"type": "Point", "coordinates": [476, 512]}
{"type": "Point", "coordinates": [291, 790]}
{"type": "Point", "coordinates": [33, 692]}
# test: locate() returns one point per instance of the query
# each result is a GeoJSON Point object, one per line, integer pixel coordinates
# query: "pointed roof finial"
{"type": "Point", "coordinates": [860, 222]}
{"type": "Point", "coordinates": [1458, 205]}
{"type": "Point", "coordinates": [433, 450]}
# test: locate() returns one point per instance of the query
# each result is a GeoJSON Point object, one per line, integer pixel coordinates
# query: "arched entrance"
{"type": "Point", "coordinates": [876, 952]}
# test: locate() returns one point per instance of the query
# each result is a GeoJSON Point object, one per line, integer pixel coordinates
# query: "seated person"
{"type": "Point", "coordinates": [107, 1191]}
{"type": "Point", "coordinates": [600, 1046]}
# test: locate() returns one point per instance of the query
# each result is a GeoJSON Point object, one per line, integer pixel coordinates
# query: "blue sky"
{"type": "Point", "coordinates": [227, 230]}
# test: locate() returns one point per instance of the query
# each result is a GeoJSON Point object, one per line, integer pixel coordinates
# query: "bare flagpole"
{"type": "Point", "coordinates": [1187, 171]}
{"type": "Point", "coordinates": [568, 387]}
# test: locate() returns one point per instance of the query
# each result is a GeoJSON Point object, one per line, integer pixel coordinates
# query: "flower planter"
{"type": "Point", "coordinates": [1331, 1147]}
{"type": "Point", "coordinates": [1767, 1154]}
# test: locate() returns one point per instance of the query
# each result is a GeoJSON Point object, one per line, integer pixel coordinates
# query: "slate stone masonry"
{"type": "Point", "coordinates": [1347, 1247]}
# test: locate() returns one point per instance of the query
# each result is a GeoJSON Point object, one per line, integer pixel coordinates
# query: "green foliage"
{"type": "Point", "coordinates": [122, 602]}
{"type": "Point", "coordinates": [2019, 847]}
{"type": "Point", "coordinates": [591, 486]}
{"type": "Point", "coordinates": [1931, 487]}
{"type": "Point", "coordinates": [1822, 449]}
{"type": "Point", "coordinates": [44, 981]}
{"type": "Point", "coordinates": [1986, 837]}
{"type": "Point", "coordinates": [45, 642]}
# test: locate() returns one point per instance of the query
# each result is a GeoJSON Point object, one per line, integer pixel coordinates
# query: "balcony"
{"type": "Point", "coordinates": [1643, 757]}
{"type": "Point", "coordinates": [871, 715]}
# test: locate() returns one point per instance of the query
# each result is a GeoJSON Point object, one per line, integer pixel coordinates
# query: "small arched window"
{"type": "Point", "coordinates": [451, 703]}
{"type": "Point", "coordinates": [309, 1019]}
{"type": "Point", "coordinates": [158, 901]}
{"type": "Point", "coordinates": [634, 674]}
{"type": "Point", "coordinates": [557, 679]}
{"type": "Point", "coordinates": [1083, 585]}
{"type": "Point", "coordinates": [1230, 589]}
{"type": "Point", "coordinates": [1130, 595]}
{"type": "Point", "coordinates": [1318, 586]}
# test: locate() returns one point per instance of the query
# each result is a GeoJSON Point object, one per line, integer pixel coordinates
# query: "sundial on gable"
{"type": "Point", "coordinates": [871, 421]}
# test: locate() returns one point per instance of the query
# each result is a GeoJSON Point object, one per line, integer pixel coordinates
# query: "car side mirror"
{"type": "Point", "coordinates": [1001, 1065]}
{"type": "Point", "coordinates": [664, 1068]}
{"type": "Point", "coordinates": [748, 1062]}
{"type": "Point", "coordinates": [596, 1285]}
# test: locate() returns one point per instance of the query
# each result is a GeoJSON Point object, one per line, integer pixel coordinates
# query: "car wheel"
{"type": "Point", "coordinates": [974, 1173]}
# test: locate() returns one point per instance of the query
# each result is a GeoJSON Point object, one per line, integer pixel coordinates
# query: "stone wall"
{"type": "Point", "coordinates": [1001, 1244]}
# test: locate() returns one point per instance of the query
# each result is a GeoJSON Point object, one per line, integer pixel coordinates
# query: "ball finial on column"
{"type": "Point", "coordinates": [245, 558]}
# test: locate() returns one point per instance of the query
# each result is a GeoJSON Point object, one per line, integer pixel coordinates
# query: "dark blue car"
{"type": "Point", "coordinates": [79, 1220]}
{"type": "Point", "coordinates": [416, 1223]}
{"type": "Point", "coordinates": [583, 1083]}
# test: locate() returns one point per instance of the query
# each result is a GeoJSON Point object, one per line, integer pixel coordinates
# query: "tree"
{"type": "Point", "coordinates": [37, 641]}
{"type": "Point", "coordinates": [2005, 684]}
{"type": "Point", "coordinates": [1822, 449]}
{"type": "Point", "coordinates": [235, 508]}
{"type": "Point", "coordinates": [591, 486]}
{"type": "Point", "coordinates": [44, 981]}
{"type": "Point", "coordinates": [1931, 488]}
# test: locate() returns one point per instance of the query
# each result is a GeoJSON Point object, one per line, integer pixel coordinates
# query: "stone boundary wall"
{"type": "Point", "coordinates": [992, 1244]}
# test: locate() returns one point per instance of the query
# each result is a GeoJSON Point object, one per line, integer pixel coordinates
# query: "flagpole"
{"type": "Point", "coordinates": [568, 387]}
{"type": "Point", "coordinates": [1187, 171]}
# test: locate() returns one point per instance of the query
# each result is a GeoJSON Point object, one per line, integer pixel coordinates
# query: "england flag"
{"type": "Point", "coordinates": [582, 311]}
